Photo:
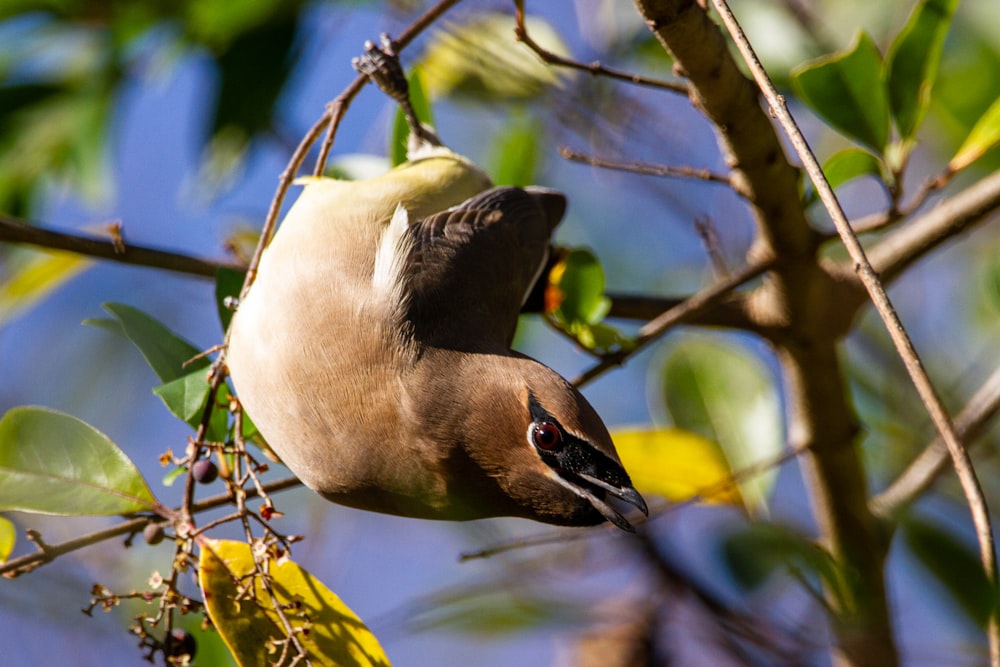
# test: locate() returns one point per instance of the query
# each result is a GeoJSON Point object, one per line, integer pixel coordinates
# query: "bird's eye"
{"type": "Point", "coordinates": [546, 436]}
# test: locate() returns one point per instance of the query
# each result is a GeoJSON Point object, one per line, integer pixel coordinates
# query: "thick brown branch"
{"type": "Point", "coordinates": [797, 298]}
{"type": "Point", "coordinates": [861, 653]}
{"type": "Point", "coordinates": [749, 143]}
{"type": "Point", "coordinates": [13, 230]}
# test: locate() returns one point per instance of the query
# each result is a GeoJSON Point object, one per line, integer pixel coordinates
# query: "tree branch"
{"type": "Point", "coordinates": [13, 230]}
{"type": "Point", "coordinates": [696, 173]}
{"type": "Point", "coordinates": [799, 299]}
{"type": "Point", "coordinates": [933, 460]}
{"type": "Point", "coordinates": [682, 312]}
{"type": "Point", "coordinates": [594, 68]}
{"type": "Point", "coordinates": [24, 564]}
{"type": "Point", "coordinates": [960, 458]}
{"type": "Point", "coordinates": [329, 120]}
{"type": "Point", "coordinates": [891, 256]}
{"type": "Point", "coordinates": [624, 306]}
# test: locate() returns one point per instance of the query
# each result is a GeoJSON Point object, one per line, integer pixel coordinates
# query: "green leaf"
{"type": "Point", "coordinates": [516, 152]}
{"type": "Point", "coordinates": [185, 397]}
{"type": "Point", "coordinates": [600, 338]}
{"type": "Point", "coordinates": [253, 69]}
{"type": "Point", "coordinates": [164, 351]}
{"type": "Point", "coordinates": [217, 23]}
{"type": "Point", "coordinates": [106, 324]}
{"type": "Point", "coordinates": [575, 300]}
{"type": "Point", "coordinates": [953, 564]}
{"type": "Point", "coordinates": [250, 431]}
{"type": "Point", "coordinates": [228, 283]}
{"type": "Point", "coordinates": [676, 464]}
{"type": "Point", "coordinates": [34, 277]}
{"type": "Point", "coordinates": [913, 62]}
{"type": "Point", "coordinates": [723, 392]}
{"type": "Point", "coordinates": [60, 136]}
{"type": "Point", "coordinates": [53, 463]}
{"type": "Point", "coordinates": [985, 135]}
{"type": "Point", "coordinates": [399, 140]}
{"type": "Point", "coordinates": [495, 611]}
{"type": "Point", "coordinates": [845, 166]}
{"type": "Point", "coordinates": [8, 536]}
{"type": "Point", "coordinates": [851, 163]}
{"type": "Point", "coordinates": [847, 90]}
{"type": "Point", "coordinates": [576, 289]}
{"type": "Point", "coordinates": [757, 552]}
{"type": "Point", "coordinates": [250, 626]}
{"type": "Point", "coordinates": [171, 477]}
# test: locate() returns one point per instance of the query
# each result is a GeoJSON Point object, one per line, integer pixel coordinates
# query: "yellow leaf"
{"type": "Point", "coordinates": [327, 629]}
{"type": "Point", "coordinates": [34, 277]}
{"type": "Point", "coordinates": [677, 465]}
{"type": "Point", "coordinates": [8, 534]}
{"type": "Point", "coordinates": [985, 135]}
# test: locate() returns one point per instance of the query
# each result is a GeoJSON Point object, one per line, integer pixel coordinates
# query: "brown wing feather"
{"type": "Point", "coordinates": [470, 267]}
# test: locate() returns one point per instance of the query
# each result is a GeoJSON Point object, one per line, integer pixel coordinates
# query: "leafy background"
{"type": "Point", "coordinates": [144, 130]}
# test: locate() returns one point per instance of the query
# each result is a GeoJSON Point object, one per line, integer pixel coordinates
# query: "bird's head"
{"type": "Point", "coordinates": [542, 443]}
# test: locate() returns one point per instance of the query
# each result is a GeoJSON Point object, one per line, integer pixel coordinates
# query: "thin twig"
{"type": "Point", "coordinates": [646, 169]}
{"type": "Point", "coordinates": [683, 311]}
{"type": "Point", "coordinates": [216, 377]}
{"type": "Point", "coordinates": [23, 564]}
{"type": "Point", "coordinates": [284, 182]}
{"type": "Point", "coordinates": [334, 113]}
{"type": "Point", "coordinates": [710, 240]}
{"type": "Point", "coordinates": [335, 110]}
{"type": "Point", "coordinates": [892, 255]}
{"type": "Point", "coordinates": [324, 122]}
{"type": "Point", "coordinates": [13, 230]}
{"type": "Point", "coordinates": [595, 68]}
{"type": "Point", "coordinates": [960, 457]}
{"type": "Point", "coordinates": [932, 461]}
{"type": "Point", "coordinates": [880, 221]}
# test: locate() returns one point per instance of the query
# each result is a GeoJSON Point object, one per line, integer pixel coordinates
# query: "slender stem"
{"type": "Point", "coordinates": [960, 457]}
{"type": "Point", "coordinates": [697, 173]}
{"type": "Point", "coordinates": [932, 461]}
{"type": "Point", "coordinates": [13, 230]}
{"type": "Point", "coordinates": [689, 308]}
{"type": "Point", "coordinates": [24, 564]}
{"type": "Point", "coordinates": [594, 68]}
{"type": "Point", "coordinates": [335, 110]}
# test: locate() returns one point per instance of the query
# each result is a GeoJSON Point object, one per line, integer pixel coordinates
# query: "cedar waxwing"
{"type": "Point", "coordinates": [373, 352]}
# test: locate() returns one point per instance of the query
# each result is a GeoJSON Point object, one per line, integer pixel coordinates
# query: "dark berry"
{"type": "Point", "coordinates": [153, 533]}
{"type": "Point", "coordinates": [178, 644]}
{"type": "Point", "coordinates": [205, 471]}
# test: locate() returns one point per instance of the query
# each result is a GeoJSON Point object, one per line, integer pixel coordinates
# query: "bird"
{"type": "Point", "coordinates": [373, 352]}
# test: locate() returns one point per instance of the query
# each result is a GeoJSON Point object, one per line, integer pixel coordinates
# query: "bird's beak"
{"type": "Point", "coordinates": [624, 492]}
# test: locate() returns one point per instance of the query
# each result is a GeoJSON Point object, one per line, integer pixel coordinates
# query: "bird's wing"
{"type": "Point", "coordinates": [465, 272]}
